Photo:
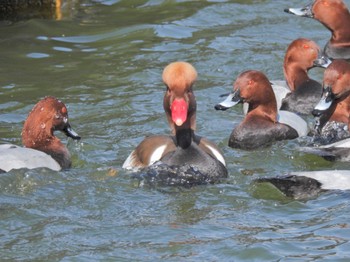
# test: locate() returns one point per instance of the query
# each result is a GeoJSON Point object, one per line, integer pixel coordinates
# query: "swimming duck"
{"type": "Point", "coordinates": [302, 55]}
{"type": "Point", "coordinates": [334, 104]}
{"type": "Point", "coordinates": [309, 184]}
{"type": "Point", "coordinates": [335, 16]}
{"type": "Point", "coordinates": [41, 147]}
{"type": "Point", "coordinates": [183, 147]}
{"type": "Point", "coordinates": [332, 114]}
{"type": "Point", "coordinates": [262, 125]}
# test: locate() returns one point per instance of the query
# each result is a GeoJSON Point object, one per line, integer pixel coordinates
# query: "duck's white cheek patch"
{"type": "Point", "coordinates": [217, 154]}
{"type": "Point", "coordinates": [157, 154]}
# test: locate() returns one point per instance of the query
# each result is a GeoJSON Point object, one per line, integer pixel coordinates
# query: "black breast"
{"type": "Point", "coordinates": [184, 167]}
{"type": "Point", "coordinates": [260, 133]}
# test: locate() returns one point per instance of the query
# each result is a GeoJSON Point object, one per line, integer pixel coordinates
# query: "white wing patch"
{"type": "Point", "coordinates": [129, 162]}
{"type": "Point", "coordinates": [217, 154]}
{"type": "Point", "coordinates": [342, 143]}
{"type": "Point", "coordinates": [157, 154]}
{"type": "Point", "coordinates": [330, 179]}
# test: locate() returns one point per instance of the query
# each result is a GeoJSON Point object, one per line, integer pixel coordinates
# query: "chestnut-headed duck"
{"type": "Point", "coordinates": [302, 55]}
{"type": "Point", "coordinates": [262, 125]}
{"type": "Point", "coordinates": [332, 115]}
{"type": "Point", "coordinates": [41, 147]}
{"type": "Point", "coordinates": [334, 105]}
{"type": "Point", "coordinates": [335, 16]}
{"type": "Point", "coordinates": [298, 92]}
{"type": "Point", "coordinates": [309, 184]}
{"type": "Point", "coordinates": [184, 147]}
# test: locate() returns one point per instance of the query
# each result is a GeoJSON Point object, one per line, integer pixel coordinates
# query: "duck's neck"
{"type": "Point", "coordinates": [58, 151]}
{"type": "Point", "coordinates": [266, 111]}
{"type": "Point", "coordinates": [50, 145]}
{"type": "Point", "coordinates": [342, 111]}
{"type": "Point", "coordinates": [341, 38]}
{"type": "Point", "coordinates": [295, 76]}
{"type": "Point", "coordinates": [341, 31]}
{"type": "Point", "coordinates": [184, 137]}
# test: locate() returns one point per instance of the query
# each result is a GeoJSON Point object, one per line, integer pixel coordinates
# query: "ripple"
{"type": "Point", "coordinates": [10, 86]}
{"type": "Point", "coordinates": [62, 49]}
{"type": "Point", "coordinates": [174, 31]}
{"type": "Point", "coordinates": [99, 37]}
{"type": "Point", "coordinates": [105, 61]}
{"type": "Point", "coordinates": [37, 55]}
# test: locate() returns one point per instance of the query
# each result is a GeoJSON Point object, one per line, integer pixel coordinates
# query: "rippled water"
{"type": "Point", "coordinates": [104, 59]}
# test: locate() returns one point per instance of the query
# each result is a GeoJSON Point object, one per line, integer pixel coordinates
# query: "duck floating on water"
{"type": "Point", "coordinates": [183, 158]}
{"type": "Point", "coordinates": [335, 16]}
{"type": "Point", "coordinates": [263, 123]}
{"type": "Point", "coordinates": [41, 147]}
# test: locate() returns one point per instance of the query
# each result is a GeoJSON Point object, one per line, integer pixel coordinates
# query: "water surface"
{"type": "Point", "coordinates": [104, 59]}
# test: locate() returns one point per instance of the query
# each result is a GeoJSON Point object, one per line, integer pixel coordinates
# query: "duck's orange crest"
{"type": "Point", "coordinates": [179, 76]}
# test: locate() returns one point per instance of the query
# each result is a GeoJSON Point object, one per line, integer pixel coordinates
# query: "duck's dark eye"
{"type": "Point", "coordinates": [60, 116]}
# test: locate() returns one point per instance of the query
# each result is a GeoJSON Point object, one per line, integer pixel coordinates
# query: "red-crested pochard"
{"type": "Point", "coordinates": [183, 147]}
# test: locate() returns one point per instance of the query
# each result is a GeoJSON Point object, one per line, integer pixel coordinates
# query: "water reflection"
{"type": "Point", "coordinates": [27, 9]}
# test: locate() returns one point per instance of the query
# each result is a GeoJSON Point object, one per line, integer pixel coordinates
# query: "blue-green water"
{"type": "Point", "coordinates": [104, 59]}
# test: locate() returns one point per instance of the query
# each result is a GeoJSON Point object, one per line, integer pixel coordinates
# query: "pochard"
{"type": "Point", "coordinates": [333, 114]}
{"type": "Point", "coordinates": [298, 92]}
{"type": "Point", "coordinates": [183, 147]}
{"type": "Point", "coordinates": [334, 105]}
{"type": "Point", "coordinates": [335, 16]}
{"type": "Point", "coordinates": [309, 184]}
{"type": "Point", "coordinates": [41, 147]}
{"type": "Point", "coordinates": [263, 124]}
{"type": "Point", "coordinates": [302, 55]}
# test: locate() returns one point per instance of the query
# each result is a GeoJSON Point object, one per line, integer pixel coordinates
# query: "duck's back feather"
{"type": "Point", "coordinates": [304, 98]}
{"type": "Point", "coordinates": [15, 157]}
